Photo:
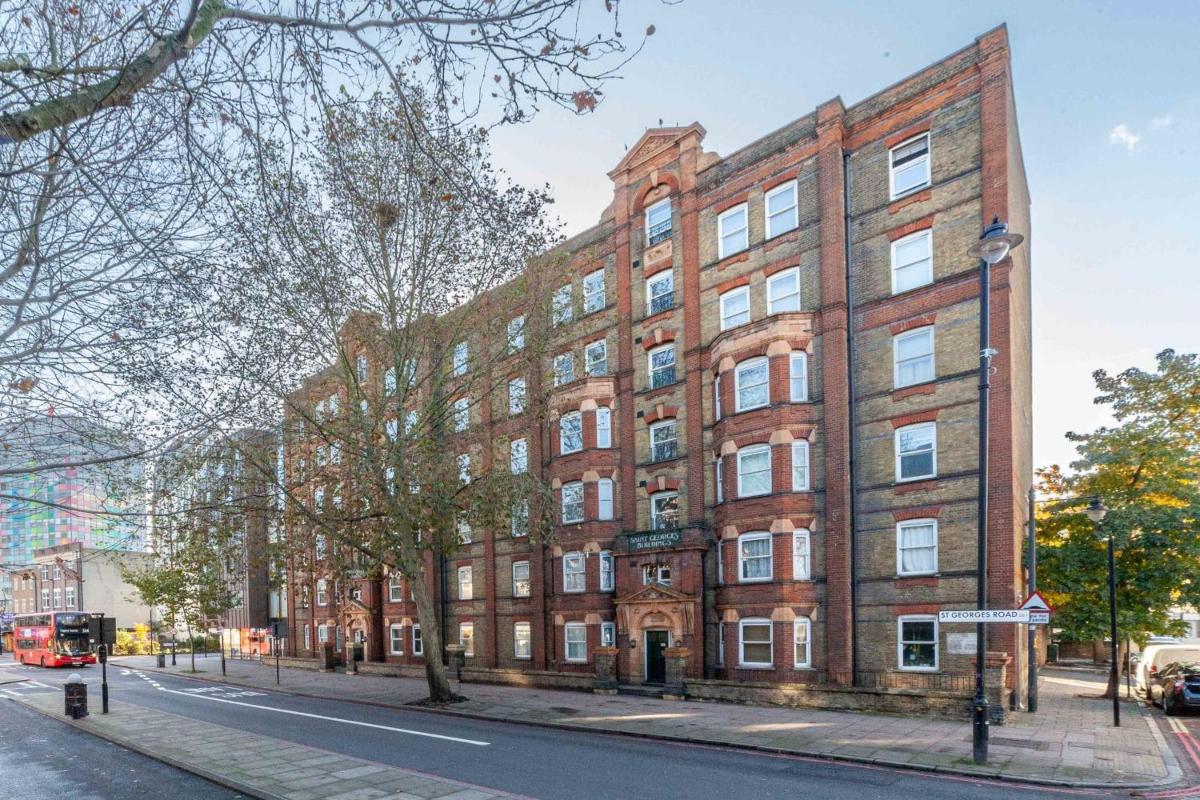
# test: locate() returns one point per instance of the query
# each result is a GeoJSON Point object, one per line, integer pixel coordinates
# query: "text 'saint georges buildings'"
{"type": "Point", "coordinates": [766, 467]}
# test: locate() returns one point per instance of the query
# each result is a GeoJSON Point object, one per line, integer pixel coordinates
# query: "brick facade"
{"type": "Point", "coordinates": [833, 575]}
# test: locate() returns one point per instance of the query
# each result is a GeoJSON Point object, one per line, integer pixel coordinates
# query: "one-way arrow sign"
{"type": "Point", "coordinates": [1035, 602]}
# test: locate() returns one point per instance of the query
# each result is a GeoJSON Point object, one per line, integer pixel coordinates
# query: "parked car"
{"type": "Point", "coordinates": [1157, 656]}
{"type": "Point", "coordinates": [1176, 687]}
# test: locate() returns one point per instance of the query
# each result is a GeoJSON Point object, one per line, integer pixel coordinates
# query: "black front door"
{"type": "Point", "coordinates": [656, 662]}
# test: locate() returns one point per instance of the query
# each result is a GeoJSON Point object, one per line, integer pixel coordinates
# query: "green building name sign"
{"type": "Point", "coordinates": [654, 540]}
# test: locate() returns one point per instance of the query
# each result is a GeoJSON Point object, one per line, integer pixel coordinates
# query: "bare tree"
{"type": "Point", "coordinates": [385, 295]}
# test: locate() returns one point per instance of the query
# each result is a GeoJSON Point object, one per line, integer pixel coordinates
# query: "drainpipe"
{"type": "Point", "coordinates": [850, 521]}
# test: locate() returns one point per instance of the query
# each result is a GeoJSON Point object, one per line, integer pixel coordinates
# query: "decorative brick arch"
{"type": "Point", "coordinates": [664, 178]}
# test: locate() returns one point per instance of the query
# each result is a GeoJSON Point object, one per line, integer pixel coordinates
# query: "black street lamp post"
{"type": "Point", "coordinates": [1096, 513]}
{"type": "Point", "coordinates": [992, 248]}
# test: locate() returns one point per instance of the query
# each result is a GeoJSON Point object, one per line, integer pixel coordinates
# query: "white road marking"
{"type": "Point", "coordinates": [328, 719]}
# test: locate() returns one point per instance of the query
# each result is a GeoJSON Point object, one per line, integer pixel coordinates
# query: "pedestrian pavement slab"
{"type": "Point", "coordinates": [256, 765]}
{"type": "Point", "coordinates": [1070, 739]}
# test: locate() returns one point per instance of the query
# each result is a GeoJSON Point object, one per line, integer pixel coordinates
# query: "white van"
{"type": "Point", "coordinates": [1157, 656]}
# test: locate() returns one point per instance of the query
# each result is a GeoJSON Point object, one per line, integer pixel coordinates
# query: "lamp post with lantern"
{"type": "Point", "coordinates": [1096, 511]}
{"type": "Point", "coordinates": [993, 247]}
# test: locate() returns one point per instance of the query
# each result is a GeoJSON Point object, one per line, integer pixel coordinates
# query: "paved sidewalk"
{"type": "Point", "coordinates": [1069, 741]}
{"type": "Point", "coordinates": [259, 766]}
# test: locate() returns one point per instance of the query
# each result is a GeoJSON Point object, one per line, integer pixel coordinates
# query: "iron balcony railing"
{"type": "Point", "coordinates": [658, 233]}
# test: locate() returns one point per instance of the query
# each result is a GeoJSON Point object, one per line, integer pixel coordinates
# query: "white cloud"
{"type": "Point", "coordinates": [1158, 123]}
{"type": "Point", "coordinates": [1123, 136]}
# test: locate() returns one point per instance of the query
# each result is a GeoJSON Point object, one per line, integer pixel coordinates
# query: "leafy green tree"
{"type": "Point", "coordinates": [1146, 470]}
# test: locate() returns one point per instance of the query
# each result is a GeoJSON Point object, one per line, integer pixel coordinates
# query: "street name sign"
{"type": "Point", "coordinates": [985, 615]}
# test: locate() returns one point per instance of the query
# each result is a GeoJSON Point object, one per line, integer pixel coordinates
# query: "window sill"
{"type": "Point", "coordinates": [917, 669]}
{"type": "Point", "coordinates": [755, 580]}
{"type": "Point", "coordinates": [756, 666]}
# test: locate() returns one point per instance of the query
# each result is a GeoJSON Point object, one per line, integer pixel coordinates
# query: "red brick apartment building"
{"type": "Point", "coordinates": [764, 444]}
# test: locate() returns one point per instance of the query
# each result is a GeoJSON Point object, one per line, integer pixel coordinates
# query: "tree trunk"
{"type": "Point", "coordinates": [440, 690]}
{"type": "Point", "coordinates": [1114, 676]}
{"type": "Point", "coordinates": [192, 648]}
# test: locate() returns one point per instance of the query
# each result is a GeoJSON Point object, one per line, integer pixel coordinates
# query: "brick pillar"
{"type": "Point", "coordinates": [835, 428]}
{"type": "Point", "coordinates": [1004, 531]}
{"type": "Point", "coordinates": [606, 670]}
{"type": "Point", "coordinates": [693, 355]}
{"type": "Point", "coordinates": [677, 667]}
{"type": "Point", "coordinates": [995, 676]}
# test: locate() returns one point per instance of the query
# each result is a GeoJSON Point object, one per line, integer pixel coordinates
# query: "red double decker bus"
{"type": "Point", "coordinates": [52, 639]}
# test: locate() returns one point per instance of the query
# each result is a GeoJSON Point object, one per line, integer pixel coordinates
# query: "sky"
{"type": "Point", "coordinates": [1108, 104]}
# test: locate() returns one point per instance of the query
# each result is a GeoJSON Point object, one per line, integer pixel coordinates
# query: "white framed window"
{"type": "Point", "coordinates": [361, 368]}
{"type": "Point", "coordinates": [574, 574]}
{"type": "Point", "coordinates": [595, 358]}
{"type": "Point", "coordinates": [608, 634]}
{"type": "Point", "coordinates": [322, 592]}
{"type": "Point", "coordinates": [751, 381]}
{"type": "Point", "coordinates": [656, 573]}
{"type": "Point", "coordinates": [464, 530]}
{"type": "Point", "coordinates": [755, 643]}
{"type": "Point", "coordinates": [660, 292]}
{"type": "Point", "coordinates": [720, 479]}
{"type": "Point", "coordinates": [664, 510]}
{"type": "Point", "coordinates": [917, 547]}
{"type": "Point", "coordinates": [69, 594]}
{"type": "Point", "coordinates": [396, 640]}
{"type": "Point", "coordinates": [334, 402]}
{"type": "Point", "coordinates": [604, 427]}
{"type": "Point", "coordinates": [604, 492]}
{"type": "Point", "coordinates": [720, 644]}
{"type": "Point", "coordinates": [561, 311]}
{"type": "Point", "coordinates": [717, 396]}
{"type": "Point", "coordinates": [912, 261]}
{"type": "Point", "coordinates": [461, 356]}
{"type": "Point", "coordinates": [307, 637]}
{"type": "Point", "coordinates": [322, 633]}
{"type": "Point", "coordinates": [466, 583]}
{"type": "Point", "coordinates": [389, 380]}
{"type": "Point", "coordinates": [570, 432]}
{"type": "Point", "coordinates": [522, 641]}
{"type": "Point", "coordinates": [395, 590]}
{"type": "Point", "coordinates": [466, 637]}
{"type": "Point", "coordinates": [662, 366]}
{"type": "Point", "coordinates": [516, 333]}
{"type": "Point", "coordinates": [780, 209]}
{"type": "Point", "coordinates": [802, 643]}
{"type": "Point", "coordinates": [658, 222]}
{"type": "Point", "coordinates": [916, 452]}
{"type": "Point", "coordinates": [732, 234]}
{"type": "Point", "coordinates": [392, 426]}
{"type": "Point", "coordinates": [800, 465]}
{"type": "Point", "coordinates": [572, 502]}
{"type": "Point", "coordinates": [663, 444]}
{"type": "Point", "coordinates": [519, 518]}
{"type": "Point", "coordinates": [593, 292]}
{"type": "Point", "coordinates": [912, 357]}
{"type": "Point", "coordinates": [464, 468]}
{"type": "Point", "coordinates": [58, 598]}
{"type": "Point", "coordinates": [801, 555]}
{"type": "Point", "coordinates": [516, 396]}
{"type": "Point", "coordinates": [409, 373]}
{"type": "Point", "coordinates": [798, 376]}
{"type": "Point", "coordinates": [410, 420]}
{"type": "Point", "coordinates": [606, 571]}
{"type": "Point", "coordinates": [754, 470]}
{"type": "Point", "coordinates": [418, 644]}
{"type": "Point", "coordinates": [909, 162]}
{"type": "Point", "coordinates": [520, 579]}
{"type": "Point", "coordinates": [462, 414]}
{"type": "Point", "coordinates": [783, 291]}
{"type": "Point", "coordinates": [575, 634]}
{"type": "Point", "coordinates": [319, 456]}
{"type": "Point", "coordinates": [735, 307]}
{"type": "Point", "coordinates": [754, 557]}
{"type": "Point", "coordinates": [917, 643]}
{"type": "Point", "coordinates": [518, 456]}
{"type": "Point", "coordinates": [564, 368]}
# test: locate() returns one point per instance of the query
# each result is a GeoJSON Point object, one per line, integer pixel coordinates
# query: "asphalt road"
{"type": "Point", "coordinates": [84, 767]}
{"type": "Point", "coordinates": [526, 760]}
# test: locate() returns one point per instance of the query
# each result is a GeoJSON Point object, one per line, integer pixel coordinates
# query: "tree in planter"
{"type": "Point", "coordinates": [1144, 469]}
{"type": "Point", "coordinates": [402, 263]}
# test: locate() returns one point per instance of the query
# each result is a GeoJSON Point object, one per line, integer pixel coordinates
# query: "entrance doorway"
{"type": "Point", "coordinates": [656, 662]}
